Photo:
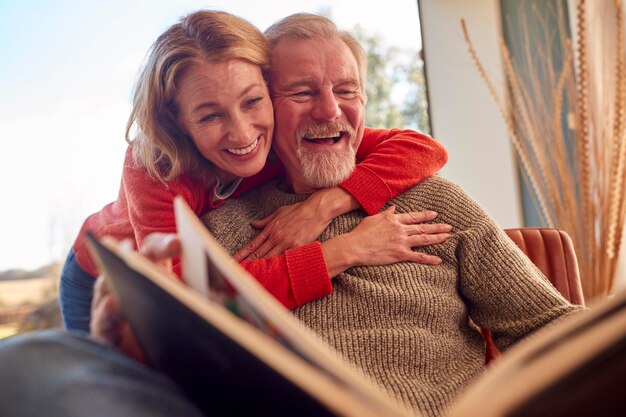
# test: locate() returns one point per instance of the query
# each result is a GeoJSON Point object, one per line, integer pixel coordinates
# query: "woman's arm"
{"type": "Point", "coordinates": [385, 238]}
{"type": "Point", "coordinates": [303, 274]}
{"type": "Point", "coordinates": [150, 203]}
{"type": "Point", "coordinates": [390, 162]}
{"type": "Point", "coordinates": [293, 278]}
{"type": "Point", "coordinates": [151, 213]}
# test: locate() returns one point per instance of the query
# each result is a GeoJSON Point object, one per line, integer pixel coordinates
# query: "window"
{"type": "Point", "coordinates": [66, 80]}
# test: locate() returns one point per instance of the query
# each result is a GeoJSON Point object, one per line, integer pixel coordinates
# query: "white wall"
{"type": "Point", "coordinates": [463, 115]}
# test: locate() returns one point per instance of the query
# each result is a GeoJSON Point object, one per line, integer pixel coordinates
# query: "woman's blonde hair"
{"type": "Point", "coordinates": [312, 26]}
{"type": "Point", "coordinates": [204, 36]}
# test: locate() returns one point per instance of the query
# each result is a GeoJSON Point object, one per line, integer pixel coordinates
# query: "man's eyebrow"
{"type": "Point", "coordinates": [311, 83]}
{"type": "Point", "coordinates": [297, 84]}
{"type": "Point", "coordinates": [349, 82]}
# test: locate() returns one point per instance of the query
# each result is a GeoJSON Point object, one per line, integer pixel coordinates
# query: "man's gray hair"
{"type": "Point", "coordinates": [312, 26]}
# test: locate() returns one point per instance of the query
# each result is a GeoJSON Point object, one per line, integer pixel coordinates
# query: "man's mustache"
{"type": "Point", "coordinates": [325, 130]}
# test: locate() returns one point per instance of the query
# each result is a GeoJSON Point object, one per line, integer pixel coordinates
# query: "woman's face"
{"type": "Point", "coordinates": [226, 110]}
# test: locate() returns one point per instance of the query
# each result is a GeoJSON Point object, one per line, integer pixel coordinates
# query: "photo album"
{"type": "Point", "coordinates": [234, 350]}
{"type": "Point", "coordinates": [230, 346]}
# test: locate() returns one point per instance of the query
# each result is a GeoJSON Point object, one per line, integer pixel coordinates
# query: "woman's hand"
{"type": "Point", "coordinates": [385, 238]}
{"type": "Point", "coordinates": [297, 224]}
{"type": "Point", "coordinates": [160, 248]}
{"type": "Point", "coordinates": [108, 324]}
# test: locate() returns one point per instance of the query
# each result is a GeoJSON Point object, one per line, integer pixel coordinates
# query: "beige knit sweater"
{"type": "Point", "coordinates": [407, 325]}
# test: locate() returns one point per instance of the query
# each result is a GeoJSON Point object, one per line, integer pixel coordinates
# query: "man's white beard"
{"type": "Point", "coordinates": [326, 169]}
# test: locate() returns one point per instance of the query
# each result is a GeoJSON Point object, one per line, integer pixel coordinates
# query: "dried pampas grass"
{"type": "Point", "coordinates": [567, 122]}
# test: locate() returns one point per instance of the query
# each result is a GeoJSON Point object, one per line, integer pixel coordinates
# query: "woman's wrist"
{"type": "Point", "coordinates": [335, 201]}
{"type": "Point", "coordinates": [340, 254]}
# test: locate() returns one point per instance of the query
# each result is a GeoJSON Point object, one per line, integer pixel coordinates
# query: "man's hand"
{"type": "Point", "coordinates": [108, 324]}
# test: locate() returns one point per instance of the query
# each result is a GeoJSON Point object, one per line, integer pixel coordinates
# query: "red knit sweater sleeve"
{"type": "Point", "coordinates": [299, 275]}
{"type": "Point", "coordinates": [391, 162]}
{"type": "Point", "coordinates": [294, 278]}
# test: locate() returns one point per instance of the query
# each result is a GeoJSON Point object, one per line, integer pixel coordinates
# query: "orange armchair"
{"type": "Point", "coordinates": [553, 252]}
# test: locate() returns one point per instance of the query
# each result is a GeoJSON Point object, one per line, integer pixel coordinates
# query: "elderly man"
{"type": "Point", "coordinates": [407, 325]}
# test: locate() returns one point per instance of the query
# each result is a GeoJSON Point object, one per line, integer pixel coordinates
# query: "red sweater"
{"type": "Point", "coordinates": [390, 162]}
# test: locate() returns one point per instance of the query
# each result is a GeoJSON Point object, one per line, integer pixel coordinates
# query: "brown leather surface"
{"type": "Point", "coordinates": [553, 252]}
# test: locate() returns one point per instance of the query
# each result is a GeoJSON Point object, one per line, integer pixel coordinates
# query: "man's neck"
{"type": "Point", "coordinates": [297, 186]}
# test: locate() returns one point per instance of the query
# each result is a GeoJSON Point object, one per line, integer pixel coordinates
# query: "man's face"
{"type": "Point", "coordinates": [319, 109]}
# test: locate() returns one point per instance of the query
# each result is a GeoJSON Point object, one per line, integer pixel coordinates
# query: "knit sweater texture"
{"type": "Point", "coordinates": [408, 325]}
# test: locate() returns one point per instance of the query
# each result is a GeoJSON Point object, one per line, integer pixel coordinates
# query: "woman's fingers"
{"type": "Point", "coordinates": [424, 258]}
{"type": "Point", "coordinates": [414, 217]}
{"type": "Point", "coordinates": [414, 229]}
{"type": "Point", "coordinates": [411, 227]}
{"type": "Point", "coordinates": [268, 248]}
{"type": "Point", "coordinates": [249, 252]}
{"type": "Point", "coordinates": [419, 240]}
{"type": "Point", "coordinates": [288, 227]}
{"type": "Point", "coordinates": [160, 246]}
{"type": "Point", "coordinates": [261, 223]}
{"type": "Point", "coordinates": [415, 222]}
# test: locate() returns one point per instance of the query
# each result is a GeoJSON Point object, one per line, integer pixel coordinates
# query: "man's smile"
{"type": "Point", "coordinates": [329, 139]}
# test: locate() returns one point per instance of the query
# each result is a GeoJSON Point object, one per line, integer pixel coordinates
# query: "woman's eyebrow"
{"type": "Point", "coordinates": [210, 104]}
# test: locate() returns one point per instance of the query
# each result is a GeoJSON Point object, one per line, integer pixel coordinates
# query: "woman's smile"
{"type": "Point", "coordinates": [246, 150]}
